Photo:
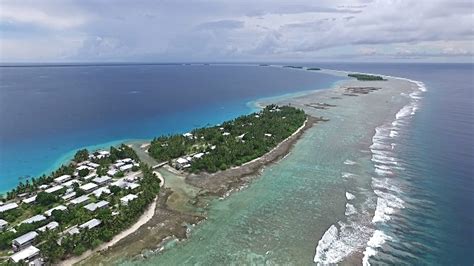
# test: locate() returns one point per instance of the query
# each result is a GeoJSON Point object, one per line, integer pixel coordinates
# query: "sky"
{"type": "Point", "coordinates": [236, 31]}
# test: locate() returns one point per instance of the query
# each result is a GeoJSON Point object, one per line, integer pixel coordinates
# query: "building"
{"type": "Point", "coordinates": [84, 167]}
{"type": "Point", "coordinates": [43, 186]}
{"type": "Point", "coordinates": [59, 208]}
{"type": "Point", "coordinates": [80, 200]}
{"type": "Point", "coordinates": [102, 180]}
{"type": "Point", "coordinates": [93, 165]}
{"type": "Point", "coordinates": [7, 207]}
{"type": "Point", "coordinates": [72, 230]}
{"type": "Point", "coordinates": [34, 219]}
{"type": "Point", "coordinates": [112, 172]}
{"type": "Point", "coordinates": [26, 255]}
{"type": "Point", "coordinates": [126, 167]}
{"type": "Point", "coordinates": [51, 226]}
{"type": "Point", "coordinates": [71, 182]}
{"type": "Point", "coordinates": [98, 205]}
{"type": "Point", "coordinates": [24, 241]}
{"type": "Point", "coordinates": [181, 163]}
{"type": "Point", "coordinates": [54, 189]}
{"type": "Point", "coordinates": [62, 179]}
{"type": "Point", "coordinates": [90, 176]}
{"type": "Point", "coordinates": [98, 192]}
{"type": "Point", "coordinates": [69, 196]}
{"type": "Point", "coordinates": [29, 200]}
{"type": "Point", "coordinates": [90, 224]}
{"type": "Point", "coordinates": [132, 185]}
{"type": "Point", "coordinates": [126, 199]}
{"type": "Point", "coordinates": [88, 187]}
{"type": "Point", "coordinates": [3, 225]}
{"type": "Point", "coordinates": [118, 164]}
{"type": "Point", "coordinates": [198, 155]}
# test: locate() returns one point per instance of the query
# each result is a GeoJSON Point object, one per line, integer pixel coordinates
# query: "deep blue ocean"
{"type": "Point", "coordinates": [47, 112]}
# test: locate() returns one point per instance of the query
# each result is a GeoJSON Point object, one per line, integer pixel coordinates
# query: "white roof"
{"type": "Point", "coordinates": [88, 186]}
{"type": "Point", "coordinates": [25, 238]}
{"type": "Point", "coordinates": [126, 167]}
{"type": "Point", "coordinates": [68, 196]}
{"type": "Point", "coordinates": [43, 186]}
{"type": "Point", "coordinates": [52, 225]}
{"type": "Point", "coordinates": [87, 177]}
{"type": "Point", "coordinates": [94, 206]}
{"type": "Point", "coordinates": [54, 189]}
{"type": "Point", "coordinates": [34, 219]}
{"type": "Point", "coordinates": [268, 135]}
{"type": "Point", "coordinates": [25, 254]}
{"type": "Point", "coordinates": [59, 208]}
{"type": "Point", "coordinates": [111, 172]}
{"type": "Point", "coordinates": [198, 155]}
{"type": "Point", "coordinates": [7, 207]}
{"type": "Point", "coordinates": [103, 152]}
{"type": "Point", "coordinates": [102, 179]}
{"type": "Point", "coordinates": [225, 134]}
{"type": "Point", "coordinates": [93, 165]}
{"type": "Point", "coordinates": [117, 165]}
{"type": "Point", "coordinates": [181, 161]}
{"type": "Point", "coordinates": [82, 167]}
{"type": "Point", "coordinates": [132, 185]}
{"type": "Point", "coordinates": [3, 222]}
{"type": "Point", "coordinates": [98, 192]}
{"type": "Point", "coordinates": [70, 182]}
{"type": "Point", "coordinates": [90, 224]}
{"type": "Point", "coordinates": [29, 200]}
{"type": "Point", "coordinates": [80, 199]}
{"type": "Point", "coordinates": [72, 230]}
{"type": "Point", "coordinates": [128, 198]}
{"type": "Point", "coordinates": [119, 183]}
{"type": "Point", "coordinates": [62, 178]}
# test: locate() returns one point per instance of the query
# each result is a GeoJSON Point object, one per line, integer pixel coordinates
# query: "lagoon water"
{"type": "Point", "coordinates": [47, 112]}
{"type": "Point", "coordinates": [423, 209]}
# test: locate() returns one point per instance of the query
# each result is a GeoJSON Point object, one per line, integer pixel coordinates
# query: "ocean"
{"type": "Point", "coordinates": [417, 176]}
{"type": "Point", "coordinates": [48, 112]}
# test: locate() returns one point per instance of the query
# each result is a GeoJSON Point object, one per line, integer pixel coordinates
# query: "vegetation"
{"type": "Point", "coordinates": [54, 244]}
{"type": "Point", "coordinates": [313, 68]}
{"type": "Point", "coordinates": [81, 155]}
{"type": "Point", "coordinates": [232, 143]}
{"type": "Point", "coordinates": [296, 67]}
{"type": "Point", "coordinates": [365, 77]}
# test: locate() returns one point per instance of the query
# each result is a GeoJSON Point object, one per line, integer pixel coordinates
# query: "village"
{"type": "Point", "coordinates": [84, 191]}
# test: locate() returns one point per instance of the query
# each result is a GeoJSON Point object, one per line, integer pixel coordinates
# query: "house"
{"type": "Point", "coordinates": [34, 219]}
{"type": "Point", "coordinates": [72, 230]}
{"type": "Point", "coordinates": [225, 134]}
{"type": "Point", "coordinates": [84, 167]}
{"type": "Point", "coordinates": [119, 183]}
{"type": "Point", "coordinates": [198, 155]}
{"type": "Point", "coordinates": [126, 167]}
{"type": "Point", "coordinates": [54, 189]}
{"type": "Point", "coordinates": [62, 179]}
{"type": "Point", "coordinates": [80, 200]}
{"type": "Point", "coordinates": [126, 160]}
{"type": "Point", "coordinates": [112, 172]}
{"type": "Point", "coordinates": [59, 208]}
{"type": "Point", "coordinates": [88, 187]}
{"type": "Point", "coordinates": [69, 196]}
{"type": "Point", "coordinates": [3, 225]}
{"type": "Point", "coordinates": [90, 224]}
{"type": "Point", "coordinates": [93, 165]}
{"type": "Point", "coordinates": [51, 226]}
{"type": "Point", "coordinates": [132, 185]}
{"type": "Point", "coordinates": [98, 205]}
{"type": "Point", "coordinates": [26, 255]}
{"type": "Point", "coordinates": [102, 154]}
{"type": "Point", "coordinates": [188, 135]}
{"type": "Point", "coordinates": [126, 199]}
{"type": "Point", "coordinates": [181, 163]}
{"type": "Point", "coordinates": [24, 241]}
{"type": "Point", "coordinates": [98, 192]}
{"type": "Point", "coordinates": [102, 180]}
{"type": "Point", "coordinates": [7, 207]}
{"type": "Point", "coordinates": [29, 200]}
{"type": "Point", "coordinates": [43, 186]}
{"type": "Point", "coordinates": [71, 182]}
{"type": "Point", "coordinates": [268, 135]}
{"type": "Point", "coordinates": [118, 164]}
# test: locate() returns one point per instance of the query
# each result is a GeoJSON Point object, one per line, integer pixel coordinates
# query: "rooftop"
{"type": "Point", "coordinates": [29, 200]}
{"type": "Point", "coordinates": [7, 207]}
{"type": "Point", "coordinates": [25, 254]}
{"type": "Point", "coordinates": [25, 238]}
{"type": "Point", "coordinates": [62, 178]}
{"type": "Point", "coordinates": [102, 179]}
{"type": "Point", "coordinates": [88, 186]}
{"type": "Point", "coordinates": [91, 224]}
{"type": "Point", "coordinates": [54, 189]}
{"type": "Point", "coordinates": [59, 208]}
{"type": "Point", "coordinates": [52, 225]}
{"type": "Point", "coordinates": [34, 219]}
{"type": "Point", "coordinates": [80, 199]}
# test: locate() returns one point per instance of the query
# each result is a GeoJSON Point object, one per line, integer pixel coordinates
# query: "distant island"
{"type": "Point", "coordinates": [313, 68]}
{"type": "Point", "coordinates": [296, 67]}
{"type": "Point", "coordinates": [365, 77]}
{"type": "Point", "coordinates": [98, 195]}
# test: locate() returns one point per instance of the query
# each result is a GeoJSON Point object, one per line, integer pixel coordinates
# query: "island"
{"type": "Point", "coordinates": [313, 68]}
{"type": "Point", "coordinates": [98, 195]}
{"type": "Point", "coordinates": [365, 77]}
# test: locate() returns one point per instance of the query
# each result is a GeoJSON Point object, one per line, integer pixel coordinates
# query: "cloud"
{"type": "Point", "coordinates": [73, 30]}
